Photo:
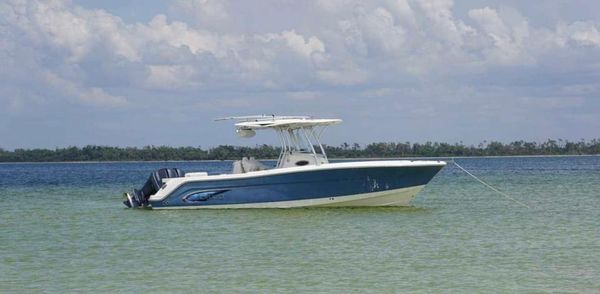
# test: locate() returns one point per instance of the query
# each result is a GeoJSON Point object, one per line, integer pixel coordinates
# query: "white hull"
{"type": "Point", "coordinates": [397, 197]}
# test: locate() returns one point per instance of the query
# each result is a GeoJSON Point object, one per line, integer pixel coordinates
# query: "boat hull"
{"type": "Point", "coordinates": [340, 185]}
{"type": "Point", "coordinates": [396, 197]}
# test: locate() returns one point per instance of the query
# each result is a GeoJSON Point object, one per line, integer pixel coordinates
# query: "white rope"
{"type": "Point", "coordinates": [490, 186]}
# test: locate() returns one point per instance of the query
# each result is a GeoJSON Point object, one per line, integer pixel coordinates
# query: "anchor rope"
{"type": "Point", "coordinates": [490, 186]}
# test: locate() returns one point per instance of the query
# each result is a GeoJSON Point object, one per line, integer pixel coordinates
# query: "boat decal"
{"type": "Point", "coordinates": [201, 196]}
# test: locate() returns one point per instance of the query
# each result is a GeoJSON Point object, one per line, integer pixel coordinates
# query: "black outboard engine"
{"type": "Point", "coordinates": [153, 184]}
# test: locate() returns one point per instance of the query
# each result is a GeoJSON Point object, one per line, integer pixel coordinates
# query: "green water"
{"type": "Point", "coordinates": [63, 229]}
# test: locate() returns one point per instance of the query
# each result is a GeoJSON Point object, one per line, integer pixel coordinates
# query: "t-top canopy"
{"type": "Point", "coordinates": [279, 122]}
{"type": "Point", "coordinates": [298, 135]}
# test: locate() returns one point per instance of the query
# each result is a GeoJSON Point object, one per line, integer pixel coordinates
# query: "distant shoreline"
{"type": "Point", "coordinates": [331, 159]}
{"type": "Point", "coordinates": [345, 151]}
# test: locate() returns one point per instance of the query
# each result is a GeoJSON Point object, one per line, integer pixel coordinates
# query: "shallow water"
{"type": "Point", "coordinates": [63, 228]}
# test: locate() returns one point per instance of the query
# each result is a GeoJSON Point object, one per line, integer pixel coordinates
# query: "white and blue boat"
{"type": "Point", "coordinates": [303, 176]}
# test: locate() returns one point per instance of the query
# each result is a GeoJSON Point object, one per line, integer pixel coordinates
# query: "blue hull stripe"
{"type": "Point", "coordinates": [298, 186]}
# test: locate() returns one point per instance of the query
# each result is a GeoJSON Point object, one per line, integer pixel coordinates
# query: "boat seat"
{"type": "Point", "coordinates": [247, 165]}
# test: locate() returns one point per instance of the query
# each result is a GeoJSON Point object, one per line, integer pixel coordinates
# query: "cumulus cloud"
{"type": "Point", "coordinates": [410, 52]}
{"type": "Point", "coordinates": [173, 53]}
{"type": "Point", "coordinates": [417, 37]}
{"type": "Point", "coordinates": [92, 95]}
{"type": "Point", "coordinates": [296, 42]}
{"type": "Point", "coordinates": [583, 33]}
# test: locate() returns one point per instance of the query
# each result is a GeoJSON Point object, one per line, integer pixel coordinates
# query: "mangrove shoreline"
{"type": "Point", "coordinates": [94, 153]}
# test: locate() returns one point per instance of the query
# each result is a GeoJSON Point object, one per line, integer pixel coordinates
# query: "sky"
{"type": "Point", "coordinates": [137, 73]}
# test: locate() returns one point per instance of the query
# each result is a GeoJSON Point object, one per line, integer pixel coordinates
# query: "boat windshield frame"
{"type": "Point", "coordinates": [300, 140]}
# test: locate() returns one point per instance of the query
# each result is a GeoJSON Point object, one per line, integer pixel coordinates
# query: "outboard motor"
{"type": "Point", "coordinates": [139, 198]}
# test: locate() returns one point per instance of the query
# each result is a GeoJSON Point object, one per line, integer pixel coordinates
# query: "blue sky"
{"type": "Point", "coordinates": [135, 73]}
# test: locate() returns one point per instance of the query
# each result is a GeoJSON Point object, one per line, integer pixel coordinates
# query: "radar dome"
{"type": "Point", "coordinates": [245, 133]}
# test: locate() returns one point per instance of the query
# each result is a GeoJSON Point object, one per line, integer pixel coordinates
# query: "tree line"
{"type": "Point", "coordinates": [345, 150]}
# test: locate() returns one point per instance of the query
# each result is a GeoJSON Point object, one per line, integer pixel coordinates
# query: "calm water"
{"type": "Point", "coordinates": [63, 229]}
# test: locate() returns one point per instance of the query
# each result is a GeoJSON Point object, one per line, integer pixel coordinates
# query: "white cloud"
{"type": "Point", "coordinates": [380, 30]}
{"type": "Point", "coordinates": [584, 33]}
{"type": "Point", "coordinates": [178, 34]}
{"type": "Point", "coordinates": [170, 77]}
{"type": "Point", "coordinates": [443, 25]}
{"type": "Point", "coordinates": [507, 38]}
{"type": "Point", "coordinates": [75, 36]}
{"type": "Point", "coordinates": [412, 52]}
{"type": "Point", "coordinates": [410, 37]}
{"type": "Point", "coordinates": [92, 95]}
{"type": "Point", "coordinates": [205, 13]}
{"type": "Point", "coordinates": [296, 42]}
{"type": "Point", "coordinates": [73, 29]}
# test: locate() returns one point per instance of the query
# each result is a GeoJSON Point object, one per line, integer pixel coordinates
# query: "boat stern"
{"type": "Point", "coordinates": [139, 198]}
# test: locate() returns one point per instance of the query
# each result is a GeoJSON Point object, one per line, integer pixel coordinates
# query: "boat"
{"type": "Point", "coordinates": [302, 176]}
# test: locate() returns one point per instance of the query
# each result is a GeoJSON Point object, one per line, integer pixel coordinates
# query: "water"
{"type": "Point", "coordinates": [63, 229]}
